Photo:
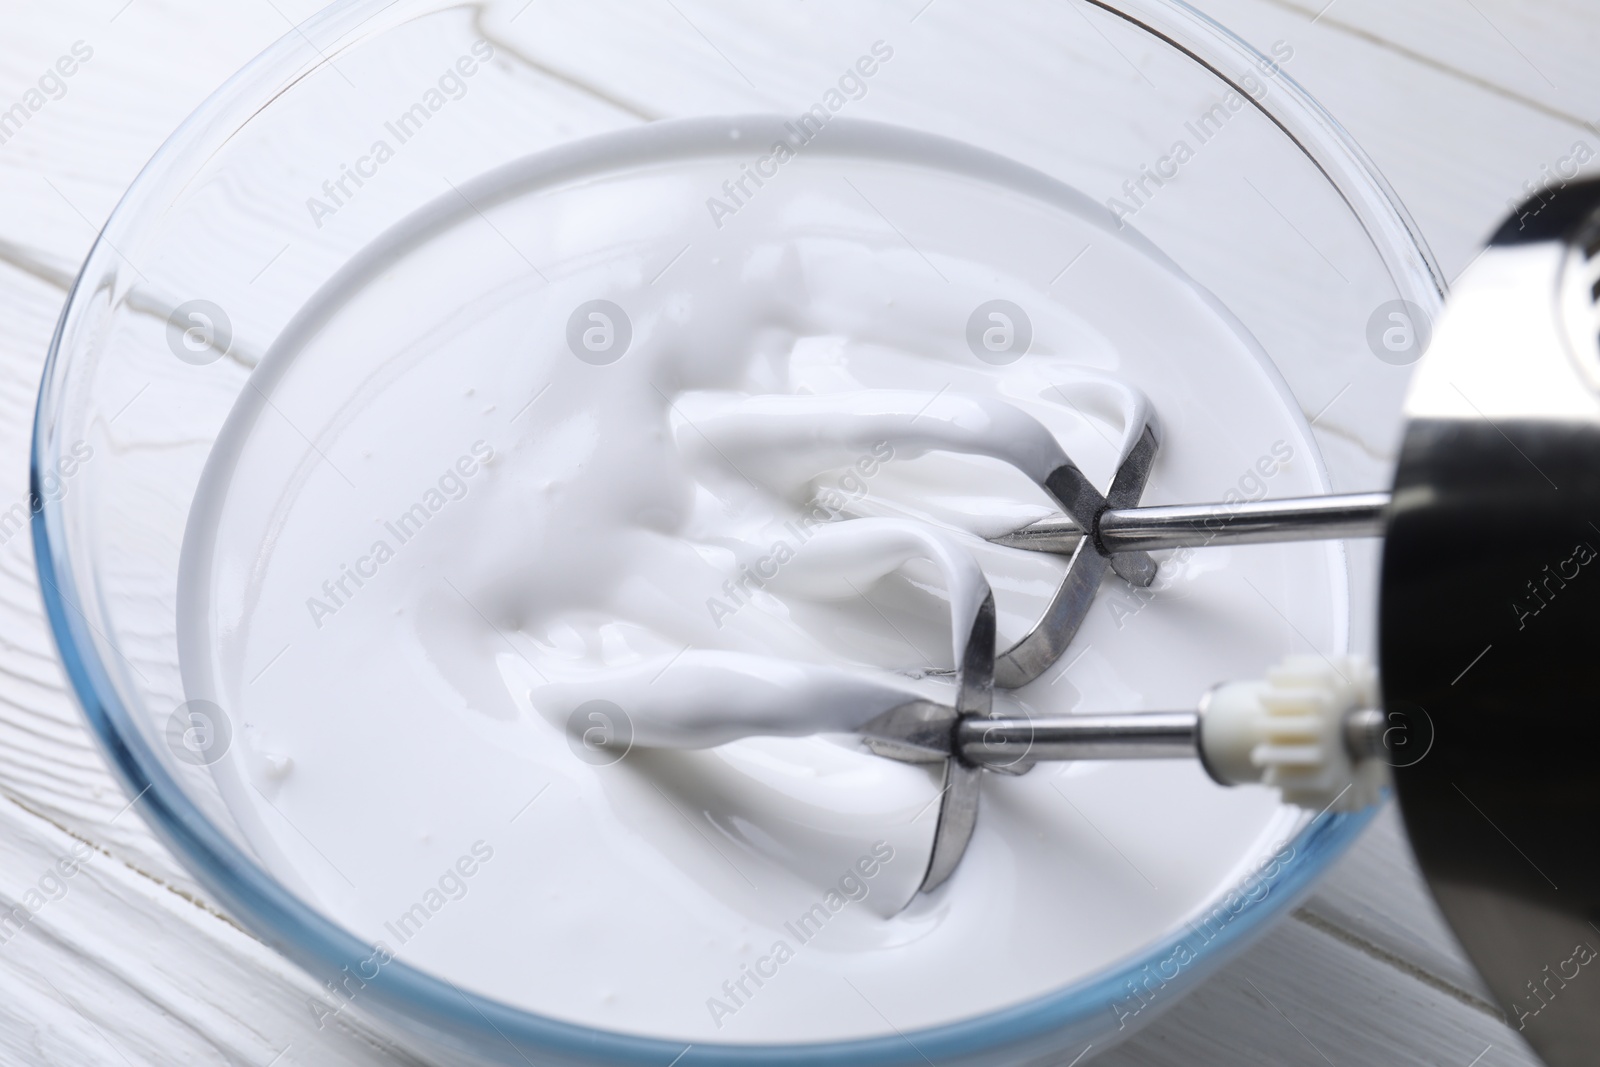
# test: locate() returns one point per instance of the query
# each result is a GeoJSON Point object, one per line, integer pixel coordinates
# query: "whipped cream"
{"type": "Point", "coordinates": [524, 495]}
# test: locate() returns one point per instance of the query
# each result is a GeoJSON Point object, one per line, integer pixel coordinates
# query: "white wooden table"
{"type": "Point", "coordinates": [1458, 101]}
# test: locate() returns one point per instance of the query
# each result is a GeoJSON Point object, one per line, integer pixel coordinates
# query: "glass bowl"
{"type": "Point", "coordinates": [1190, 138]}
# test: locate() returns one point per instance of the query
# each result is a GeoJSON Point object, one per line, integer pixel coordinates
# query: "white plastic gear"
{"type": "Point", "coordinates": [1288, 732]}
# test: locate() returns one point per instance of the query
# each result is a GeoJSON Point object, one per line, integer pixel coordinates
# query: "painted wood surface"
{"type": "Point", "coordinates": [1459, 104]}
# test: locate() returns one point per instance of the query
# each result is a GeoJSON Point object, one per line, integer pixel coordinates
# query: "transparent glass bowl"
{"type": "Point", "coordinates": [244, 214]}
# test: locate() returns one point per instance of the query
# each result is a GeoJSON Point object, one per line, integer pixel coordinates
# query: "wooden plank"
{"type": "Point", "coordinates": [1376, 899]}
{"type": "Point", "coordinates": [1301, 997]}
{"type": "Point", "coordinates": [48, 763]}
{"type": "Point", "coordinates": [150, 65]}
{"type": "Point", "coordinates": [106, 965]}
{"type": "Point", "coordinates": [1541, 54]}
{"type": "Point", "coordinates": [1455, 145]}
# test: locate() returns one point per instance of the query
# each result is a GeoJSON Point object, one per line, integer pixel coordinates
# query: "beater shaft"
{"type": "Point", "coordinates": [1135, 735]}
{"type": "Point", "coordinates": [1148, 529]}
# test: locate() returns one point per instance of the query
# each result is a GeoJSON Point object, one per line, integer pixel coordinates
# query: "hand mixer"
{"type": "Point", "coordinates": [1489, 622]}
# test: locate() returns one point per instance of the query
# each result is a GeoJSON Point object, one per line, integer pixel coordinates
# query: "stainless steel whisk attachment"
{"type": "Point", "coordinates": [1311, 729]}
{"type": "Point", "coordinates": [1149, 529]}
{"type": "Point", "coordinates": [1299, 731]}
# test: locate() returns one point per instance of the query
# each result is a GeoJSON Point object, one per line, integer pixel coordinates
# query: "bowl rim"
{"type": "Point", "coordinates": [435, 1007]}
